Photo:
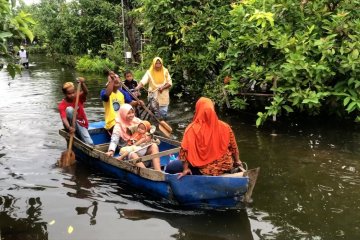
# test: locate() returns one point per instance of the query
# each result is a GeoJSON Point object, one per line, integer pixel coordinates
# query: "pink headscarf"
{"type": "Point", "coordinates": [122, 123]}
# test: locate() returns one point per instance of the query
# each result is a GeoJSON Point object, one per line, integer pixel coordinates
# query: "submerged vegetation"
{"type": "Point", "coordinates": [305, 53]}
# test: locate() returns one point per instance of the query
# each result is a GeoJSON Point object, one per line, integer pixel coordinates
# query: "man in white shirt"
{"type": "Point", "coordinates": [24, 57]}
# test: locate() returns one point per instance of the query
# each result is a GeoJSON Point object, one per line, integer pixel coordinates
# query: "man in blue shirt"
{"type": "Point", "coordinates": [112, 97]}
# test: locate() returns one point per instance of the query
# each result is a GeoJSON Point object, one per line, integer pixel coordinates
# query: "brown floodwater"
{"type": "Point", "coordinates": [307, 188]}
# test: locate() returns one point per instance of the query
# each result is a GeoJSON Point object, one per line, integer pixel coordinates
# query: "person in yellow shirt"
{"type": "Point", "coordinates": [112, 99]}
{"type": "Point", "coordinates": [113, 96]}
{"type": "Point", "coordinates": [159, 81]}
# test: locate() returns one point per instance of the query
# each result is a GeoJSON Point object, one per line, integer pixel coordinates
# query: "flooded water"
{"type": "Point", "coordinates": [307, 189]}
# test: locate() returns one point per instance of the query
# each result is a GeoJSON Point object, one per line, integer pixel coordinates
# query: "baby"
{"type": "Point", "coordinates": [140, 138]}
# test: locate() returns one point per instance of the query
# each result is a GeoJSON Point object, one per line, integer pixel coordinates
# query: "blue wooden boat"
{"type": "Point", "coordinates": [192, 191]}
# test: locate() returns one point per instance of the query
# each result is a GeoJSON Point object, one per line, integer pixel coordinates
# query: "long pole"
{"type": "Point", "coordinates": [141, 48]}
{"type": "Point", "coordinates": [123, 23]}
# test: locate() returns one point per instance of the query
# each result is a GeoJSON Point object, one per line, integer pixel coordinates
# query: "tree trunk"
{"type": "Point", "coordinates": [132, 35]}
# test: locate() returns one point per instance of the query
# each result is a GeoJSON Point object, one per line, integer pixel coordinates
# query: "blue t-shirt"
{"type": "Point", "coordinates": [105, 98]}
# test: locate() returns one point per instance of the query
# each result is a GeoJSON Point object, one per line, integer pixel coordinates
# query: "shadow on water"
{"type": "Point", "coordinates": [90, 210]}
{"type": "Point", "coordinates": [29, 227]}
{"type": "Point", "coordinates": [196, 225]}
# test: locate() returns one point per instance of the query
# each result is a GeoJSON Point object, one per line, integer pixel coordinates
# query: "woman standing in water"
{"type": "Point", "coordinates": [160, 82]}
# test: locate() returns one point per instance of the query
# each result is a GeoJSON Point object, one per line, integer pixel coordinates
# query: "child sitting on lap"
{"type": "Point", "coordinates": [140, 138]}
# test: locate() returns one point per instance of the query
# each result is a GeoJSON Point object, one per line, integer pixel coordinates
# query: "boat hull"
{"type": "Point", "coordinates": [192, 191]}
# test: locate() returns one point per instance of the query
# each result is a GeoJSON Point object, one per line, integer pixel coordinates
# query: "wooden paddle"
{"type": "Point", "coordinates": [163, 126]}
{"type": "Point", "coordinates": [68, 156]}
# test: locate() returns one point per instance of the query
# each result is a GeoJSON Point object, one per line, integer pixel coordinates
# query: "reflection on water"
{"type": "Point", "coordinates": [307, 187]}
{"type": "Point", "coordinates": [28, 227]}
{"type": "Point", "coordinates": [196, 225]}
{"type": "Point", "coordinates": [88, 211]}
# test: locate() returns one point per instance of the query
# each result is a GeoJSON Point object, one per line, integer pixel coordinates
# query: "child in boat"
{"type": "Point", "coordinates": [66, 109]}
{"type": "Point", "coordinates": [131, 83]}
{"type": "Point", "coordinates": [141, 136]}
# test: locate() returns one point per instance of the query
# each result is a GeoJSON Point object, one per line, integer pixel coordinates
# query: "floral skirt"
{"type": "Point", "coordinates": [219, 166]}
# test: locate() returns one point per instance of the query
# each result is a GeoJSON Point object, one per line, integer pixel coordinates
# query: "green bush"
{"type": "Point", "coordinates": [96, 64]}
{"type": "Point", "coordinates": [311, 49]}
{"type": "Point", "coordinates": [138, 74]}
{"type": "Point", "coordinates": [69, 60]}
{"type": "Point", "coordinates": [36, 49]}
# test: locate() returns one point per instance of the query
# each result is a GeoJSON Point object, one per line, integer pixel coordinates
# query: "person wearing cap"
{"type": "Point", "coordinates": [24, 57]}
{"type": "Point", "coordinates": [113, 96]}
{"type": "Point", "coordinates": [66, 109]}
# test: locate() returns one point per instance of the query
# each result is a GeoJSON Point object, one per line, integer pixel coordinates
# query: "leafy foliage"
{"type": "Point", "coordinates": [98, 65]}
{"type": "Point", "coordinates": [310, 49]}
{"type": "Point", "coordinates": [187, 36]}
{"type": "Point", "coordinates": [113, 52]}
{"type": "Point", "coordinates": [305, 52]}
{"type": "Point", "coordinates": [13, 29]}
{"type": "Point", "coordinates": [77, 27]}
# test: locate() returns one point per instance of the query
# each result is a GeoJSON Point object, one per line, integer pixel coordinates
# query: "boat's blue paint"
{"type": "Point", "coordinates": [209, 190]}
{"type": "Point", "coordinates": [160, 188]}
{"type": "Point", "coordinates": [196, 191]}
{"type": "Point", "coordinates": [100, 136]}
{"type": "Point", "coordinates": [96, 125]}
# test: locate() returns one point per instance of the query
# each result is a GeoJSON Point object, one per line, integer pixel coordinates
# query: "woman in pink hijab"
{"type": "Point", "coordinates": [120, 135]}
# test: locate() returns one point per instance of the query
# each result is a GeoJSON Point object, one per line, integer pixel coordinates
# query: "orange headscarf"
{"type": "Point", "coordinates": [136, 136]}
{"type": "Point", "coordinates": [157, 75]}
{"type": "Point", "coordinates": [206, 138]}
{"type": "Point", "coordinates": [123, 123]}
{"type": "Point", "coordinates": [147, 125]}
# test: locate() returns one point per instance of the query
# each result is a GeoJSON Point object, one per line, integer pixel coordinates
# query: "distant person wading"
{"type": "Point", "coordinates": [24, 57]}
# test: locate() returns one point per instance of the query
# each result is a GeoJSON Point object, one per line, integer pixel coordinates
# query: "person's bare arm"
{"type": "Point", "coordinates": [68, 125]}
{"type": "Point", "coordinates": [143, 140]}
{"type": "Point", "coordinates": [186, 170]}
{"type": "Point", "coordinates": [162, 88]}
{"type": "Point", "coordinates": [84, 88]}
{"type": "Point", "coordinates": [139, 86]}
{"type": "Point", "coordinates": [110, 84]}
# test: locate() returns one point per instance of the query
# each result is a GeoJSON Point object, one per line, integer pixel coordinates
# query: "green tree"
{"type": "Point", "coordinates": [309, 48]}
{"type": "Point", "coordinates": [77, 27]}
{"type": "Point", "coordinates": [13, 29]}
{"type": "Point", "coordinates": [188, 36]}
